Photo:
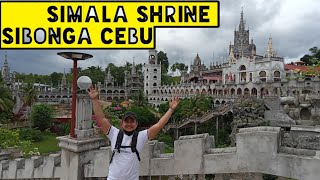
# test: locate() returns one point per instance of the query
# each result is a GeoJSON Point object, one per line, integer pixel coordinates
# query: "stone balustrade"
{"type": "Point", "coordinates": [258, 150]}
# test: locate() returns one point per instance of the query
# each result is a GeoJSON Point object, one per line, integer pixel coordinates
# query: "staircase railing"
{"type": "Point", "coordinates": [205, 117]}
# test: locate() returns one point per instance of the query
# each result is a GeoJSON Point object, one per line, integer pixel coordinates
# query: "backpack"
{"type": "Point", "coordinates": [133, 144]}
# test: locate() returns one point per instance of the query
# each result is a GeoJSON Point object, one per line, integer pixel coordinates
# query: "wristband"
{"type": "Point", "coordinates": [170, 109]}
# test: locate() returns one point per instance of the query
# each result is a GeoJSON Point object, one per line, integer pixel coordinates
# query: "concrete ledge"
{"type": "Point", "coordinates": [298, 152]}
{"type": "Point", "coordinates": [167, 155]}
{"type": "Point", "coordinates": [315, 129]}
{"type": "Point", "coordinates": [222, 150]}
{"type": "Point", "coordinates": [76, 146]}
{"type": "Point", "coordinates": [192, 136]}
{"type": "Point", "coordinates": [262, 128]}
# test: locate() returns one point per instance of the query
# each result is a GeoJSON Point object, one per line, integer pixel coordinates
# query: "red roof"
{"type": "Point", "coordinates": [300, 68]}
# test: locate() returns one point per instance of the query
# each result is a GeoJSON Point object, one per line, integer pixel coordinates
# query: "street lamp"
{"type": "Point", "coordinates": [75, 57]}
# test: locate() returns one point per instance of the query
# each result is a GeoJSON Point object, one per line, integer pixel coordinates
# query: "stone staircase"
{"type": "Point", "coordinates": [272, 103]}
{"type": "Point", "coordinates": [275, 115]}
{"type": "Point", "coordinates": [205, 117]}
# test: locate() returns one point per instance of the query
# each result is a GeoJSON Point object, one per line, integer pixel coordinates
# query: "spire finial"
{"type": "Point", "coordinates": [241, 25]}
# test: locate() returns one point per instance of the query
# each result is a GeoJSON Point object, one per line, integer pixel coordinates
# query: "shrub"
{"type": "Point", "coordinates": [166, 138]}
{"type": "Point", "coordinates": [30, 134]}
{"type": "Point", "coordinates": [11, 138]}
{"type": "Point", "coordinates": [42, 116]}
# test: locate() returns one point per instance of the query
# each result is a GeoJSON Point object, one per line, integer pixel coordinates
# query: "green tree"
{"type": "Point", "coordinates": [1, 80]}
{"type": "Point", "coordinates": [313, 59]}
{"type": "Point", "coordinates": [181, 67]}
{"type": "Point", "coordinates": [139, 98]}
{"type": "Point", "coordinates": [42, 116]}
{"type": "Point", "coordinates": [163, 59]}
{"type": "Point", "coordinates": [94, 72]}
{"type": "Point", "coordinates": [55, 78]}
{"type": "Point", "coordinates": [168, 80]}
{"type": "Point", "coordinates": [196, 105]}
{"type": "Point", "coordinates": [144, 116]}
{"type": "Point", "coordinates": [6, 102]}
{"type": "Point", "coordinates": [139, 67]}
{"type": "Point", "coordinates": [118, 72]}
{"type": "Point", "coordinates": [30, 94]}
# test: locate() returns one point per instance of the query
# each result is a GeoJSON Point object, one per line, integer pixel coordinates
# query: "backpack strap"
{"type": "Point", "coordinates": [134, 144]}
{"type": "Point", "coordinates": [118, 144]}
{"type": "Point", "coordinates": [119, 140]}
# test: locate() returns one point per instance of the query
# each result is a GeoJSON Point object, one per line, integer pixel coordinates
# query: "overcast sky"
{"type": "Point", "coordinates": [294, 26]}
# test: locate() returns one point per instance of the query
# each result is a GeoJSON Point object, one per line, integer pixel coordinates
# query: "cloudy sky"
{"type": "Point", "coordinates": [294, 26]}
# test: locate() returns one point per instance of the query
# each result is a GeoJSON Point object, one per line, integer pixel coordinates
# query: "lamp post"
{"type": "Point", "coordinates": [75, 57]}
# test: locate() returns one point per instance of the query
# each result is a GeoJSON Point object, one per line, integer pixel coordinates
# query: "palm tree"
{"type": "Point", "coordinates": [30, 94]}
{"type": "Point", "coordinates": [6, 102]}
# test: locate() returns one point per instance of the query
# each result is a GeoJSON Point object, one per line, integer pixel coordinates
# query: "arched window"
{"type": "Point", "coordinates": [242, 68]}
{"type": "Point", "coordinates": [263, 76]}
{"type": "Point", "coordinates": [276, 76]}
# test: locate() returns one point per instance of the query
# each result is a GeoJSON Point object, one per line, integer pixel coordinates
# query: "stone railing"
{"type": "Point", "coordinates": [257, 150]}
{"type": "Point", "coordinates": [205, 117]}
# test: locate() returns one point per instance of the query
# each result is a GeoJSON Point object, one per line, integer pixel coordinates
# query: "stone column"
{"type": "Point", "coordinates": [217, 128]}
{"type": "Point", "coordinates": [83, 128]}
{"type": "Point", "coordinates": [75, 152]}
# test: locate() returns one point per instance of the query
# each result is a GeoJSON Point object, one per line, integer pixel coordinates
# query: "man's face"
{"type": "Point", "coordinates": [129, 124]}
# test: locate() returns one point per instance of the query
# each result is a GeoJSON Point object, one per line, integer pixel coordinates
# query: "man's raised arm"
{"type": "Point", "coordinates": [102, 121]}
{"type": "Point", "coordinates": [155, 129]}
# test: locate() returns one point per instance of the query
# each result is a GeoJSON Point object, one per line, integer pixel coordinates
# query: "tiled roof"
{"type": "Point", "coordinates": [299, 68]}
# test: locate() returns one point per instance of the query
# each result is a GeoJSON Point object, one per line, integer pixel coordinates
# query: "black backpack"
{"type": "Point", "coordinates": [133, 144]}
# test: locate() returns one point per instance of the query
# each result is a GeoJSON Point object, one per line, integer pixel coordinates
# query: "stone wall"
{"type": "Point", "coordinates": [304, 109]}
{"type": "Point", "coordinates": [257, 150]}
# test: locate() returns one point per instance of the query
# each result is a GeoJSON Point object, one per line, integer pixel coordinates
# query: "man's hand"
{"type": "Point", "coordinates": [93, 92]}
{"type": "Point", "coordinates": [155, 129]}
{"type": "Point", "coordinates": [174, 102]}
{"type": "Point", "coordinates": [102, 122]}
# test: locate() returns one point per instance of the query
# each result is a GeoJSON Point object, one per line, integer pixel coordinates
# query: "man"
{"type": "Point", "coordinates": [125, 160]}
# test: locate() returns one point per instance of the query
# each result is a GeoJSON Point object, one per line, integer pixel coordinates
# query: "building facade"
{"type": "Point", "coordinates": [243, 74]}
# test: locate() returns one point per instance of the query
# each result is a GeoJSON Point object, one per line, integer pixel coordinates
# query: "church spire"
{"type": "Point", "coordinates": [270, 51]}
{"type": "Point", "coordinates": [64, 78]}
{"type": "Point", "coordinates": [5, 71]}
{"type": "Point", "coordinates": [133, 69]}
{"type": "Point", "coordinates": [5, 60]}
{"type": "Point", "coordinates": [109, 77]}
{"type": "Point", "coordinates": [242, 23]}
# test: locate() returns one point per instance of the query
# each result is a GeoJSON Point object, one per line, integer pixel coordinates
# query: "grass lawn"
{"type": "Point", "coordinates": [48, 145]}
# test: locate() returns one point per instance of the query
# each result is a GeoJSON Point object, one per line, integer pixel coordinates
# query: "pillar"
{"type": "Point", "coordinates": [217, 128]}
{"type": "Point", "coordinates": [76, 152]}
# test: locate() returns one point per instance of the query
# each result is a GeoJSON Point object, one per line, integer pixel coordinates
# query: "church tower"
{"type": "Point", "coordinates": [152, 74]}
{"type": "Point", "coordinates": [5, 71]}
{"type": "Point", "coordinates": [242, 46]}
